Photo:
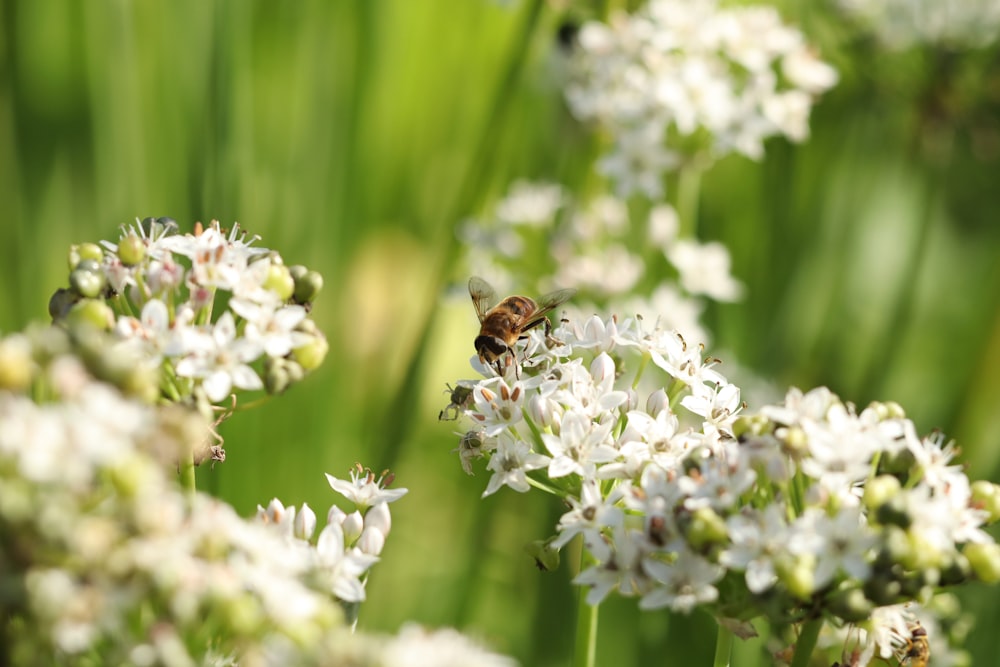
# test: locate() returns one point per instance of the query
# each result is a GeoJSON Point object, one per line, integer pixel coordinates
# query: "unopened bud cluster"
{"type": "Point", "coordinates": [207, 312]}
{"type": "Point", "coordinates": [685, 498]}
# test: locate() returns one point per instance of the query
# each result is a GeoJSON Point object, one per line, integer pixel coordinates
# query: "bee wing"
{"type": "Point", "coordinates": [547, 303]}
{"type": "Point", "coordinates": [483, 296]}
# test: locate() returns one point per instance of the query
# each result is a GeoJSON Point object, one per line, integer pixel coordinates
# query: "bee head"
{"type": "Point", "coordinates": [490, 348]}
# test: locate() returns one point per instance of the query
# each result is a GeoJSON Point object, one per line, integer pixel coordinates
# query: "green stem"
{"type": "Point", "coordinates": [723, 647]}
{"type": "Point", "coordinates": [187, 476]}
{"type": "Point", "coordinates": [806, 642]}
{"type": "Point", "coordinates": [585, 648]}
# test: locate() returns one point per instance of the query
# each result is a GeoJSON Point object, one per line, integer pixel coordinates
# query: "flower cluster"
{"type": "Point", "coordinates": [158, 291]}
{"type": "Point", "coordinates": [681, 76]}
{"type": "Point", "coordinates": [604, 250]}
{"type": "Point", "coordinates": [900, 24]}
{"type": "Point", "coordinates": [107, 560]}
{"type": "Point", "coordinates": [685, 499]}
{"type": "Point", "coordinates": [349, 544]}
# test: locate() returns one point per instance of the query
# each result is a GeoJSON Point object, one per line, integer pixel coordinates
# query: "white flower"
{"type": "Point", "coordinates": [364, 489]}
{"type": "Point", "coordinates": [682, 584]}
{"type": "Point", "coordinates": [580, 446]}
{"type": "Point", "coordinates": [589, 515]}
{"type": "Point", "coordinates": [272, 329]}
{"type": "Point", "coordinates": [510, 463]}
{"type": "Point", "coordinates": [417, 647]}
{"type": "Point", "coordinates": [221, 360]}
{"type": "Point", "coordinates": [758, 539]}
{"type": "Point", "coordinates": [343, 567]}
{"type": "Point", "coordinates": [704, 269]}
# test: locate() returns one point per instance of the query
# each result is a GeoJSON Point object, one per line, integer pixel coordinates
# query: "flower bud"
{"type": "Point", "coordinates": [131, 250]}
{"type": "Point", "coordinates": [657, 402]}
{"type": "Point", "coordinates": [305, 523]}
{"type": "Point", "coordinates": [353, 524]}
{"type": "Point", "coordinates": [851, 605]}
{"type": "Point", "coordinates": [279, 281]}
{"type": "Point", "coordinates": [985, 561]}
{"type": "Point", "coordinates": [16, 365]}
{"type": "Point", "coordinates": [60, 303]}
{"type": "Point", "coordinates": [378, 516]}
{"type": "Point", "coordinates": [90, 313]}
{"type": "Point", "coordinates": [308, 286]}
{"type": "Point", "coordinates": [706, 528]}
{"type": "Point", "coordinates": [312, 354]}
{"type": "Point", "coordinates": [798, 576]}
{"type": "Point", "coordinates": [87, 283]}
{"type": "Point", "coordinates": [77, 253]}
{"type": "Point", "coordinates": [335, 515]}
{"type": "Point", "coordinates": [371, 541]}
{"type": "Point", "coordinates": [276, 378]}
{"type": "Point", "coordinates": [883, 590]}
{"type": "Point", "coordinates": [893, 512]}
{"type": "Point", "coordinates": [986, 495]}
{"type": "Point", "coordinates": [880, 490]}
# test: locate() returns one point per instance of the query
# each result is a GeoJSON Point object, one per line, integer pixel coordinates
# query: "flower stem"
{"type": "Point", "coordinates": [187, 475]}
{"type": "Point", "coordinates": [806, 642]}
{"type": "Point", "coordinates": [585, 649]}
{"type": "Point", "coordinates": [723, 647]}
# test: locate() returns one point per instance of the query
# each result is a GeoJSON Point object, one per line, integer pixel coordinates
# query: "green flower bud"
{"type": "Point", "coordinates": [312, 354]}
{"type": "Point", "coordinates": [798, 575]}
{"type": "Point", "coordinates": [78, 253]}
{"type": "Point", "coordinates": [985, 561]}
{"type": "Point", "coordinates": [131, 250]}
{"type": "Point", "coordinates": [279, 280]}
{"type": "Point", "coordinates": [308, 286]}
{"type": "Point", "coordinates": [60, 303]}
{"type": "Point", "coordinates": [275, 377]}
{"type": "Point", "coordinates": [241, 614]}
{"type": "Point", "coordinates": [851, 605]}
{"type": "Point", "coordinates": [986, 495]}
{"type": "Point", "coordinates": [16, 363]}
{"type": "Point", "coordinates": [546, 558]}
{"type": "Point", "coordinates": [706, 528]}
{"type": "Point", "coordinates": [796, 443]}
{"type": "Point", "coordinates": [922, 554]}
{"type": "Point", "coordinates": [893, 512]}
{"type": "Point", "coordinates": [880, 490]}
{"type": "Point", "coordinates": [883, 590]}
{"type": "Point", "coordinates": [90, 313]}
{"type": "Point", "coordinates": [87, 283]}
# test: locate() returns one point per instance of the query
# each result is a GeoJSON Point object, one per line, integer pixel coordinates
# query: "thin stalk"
{"type": "Point", "coordinates": [723, 647]}
{"type": "Point", "coordinates": [186, 474]}
{"type": "Point", "coordinates": [585, 647]}
{"type": "Point", "coordinates": [806, 642]}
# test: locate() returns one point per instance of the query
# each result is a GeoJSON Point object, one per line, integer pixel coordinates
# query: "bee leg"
{"type": "Point", "coordinates": [550, 340]}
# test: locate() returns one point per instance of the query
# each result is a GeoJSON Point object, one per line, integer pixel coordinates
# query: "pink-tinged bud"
{"type": "Point", "coordinates": [602, 369]}
{"type": "Point", "coordinates": [305, 523]}
{"type": "Point", "coordinates": [335, 515]}
{"type": "Point", "coordinates": [540, 410]}
{"type": "Point", "coordinates": [353, 524]}
{"type": "Point", "coordinates": [657, 402]}
{"type": "Point", "coordinates": [371, 541]}
{"type": "Point", "coordinates": [378, 517]}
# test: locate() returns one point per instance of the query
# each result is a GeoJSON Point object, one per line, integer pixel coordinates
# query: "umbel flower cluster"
{"type": "Point", "coordinates": [682, 78]}
{"type": "Point", "coordinates": [602, 248]}
{"type": "Point", "coordinates": [107, 561]}
{"type": "Point", "coordinates": [684, 498]}
{"type": "Point", "coordinates": [207, 312]}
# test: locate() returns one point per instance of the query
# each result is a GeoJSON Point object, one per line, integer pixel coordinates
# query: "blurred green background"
{"type": "Point", "coordinates": [354, 135]}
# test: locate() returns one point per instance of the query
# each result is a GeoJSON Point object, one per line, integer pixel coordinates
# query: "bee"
{"type": "Point", "coordinates": [918, 649]}
{"type": "Point", "coordinates": [503, 324]}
